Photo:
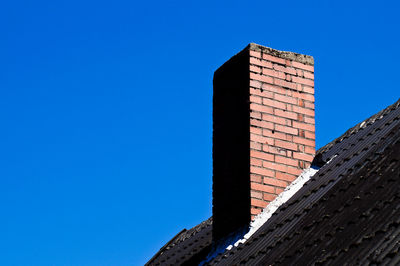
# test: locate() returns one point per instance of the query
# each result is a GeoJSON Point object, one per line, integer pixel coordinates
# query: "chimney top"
{"type": "Point", "coordinates": [301, 58]}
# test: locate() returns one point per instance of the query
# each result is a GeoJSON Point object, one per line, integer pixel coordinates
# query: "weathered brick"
{"type": "Point", "coordinates": [262, 187]}
{"type": "Point", "coordinates": [255, 162]}
{"type": "Point", "coordinates": [255, 178]}
{"type": "Point", "coordinates": [259, 62]}
{"type": "Point", "coordinates": [303, 126]}
{"type": "Point", "coordinates": [262, 124]}
{"type": "Point", "coordinates": [287, 114]}
{"type": "Point", "coordinates": [302, 110]}
{"type": "Point", "coordinates": [255, 210]}
{"type": "Point", "coordinates": [263, 93]}
{"type": "Point", "coordinates": [288, 70]}
{"type": "Point", "coordinates": [273, 73]}
{"type": "Point", "coordinates": [285, 129]}
{"type": "Point", "coordinates": [261, 108]}
{"type": "Point", "coordinates": [272, 103]}
{"type": "Point", "coordinates": [275, 182]}
{"type": "Point", "coordinates": [261, 171]}
{"type": "Point", "coordinates": [255, 145]}
{"type": "Point", "coordinates": [285, 83]}
{"type": "Point", "coordinates": [262, 155]}
{"type": "Point", "coordinates": [307, 82]}
{"type": "Point", "coordinates": [284, 98]}
{"type": "Point", "coordinates": [303, 156]}
{"type": "Point", "coordinates": [304, 141]}
{"type": "Point", "coordinates": [285, 176]}
{"type": "Point", "coordinates": [286, 145]}
{"type": "Point", "coordinates": [269, 197]}
{"type": "Point", "coordinates": [255, 54]}
{"type": "Point", "coordinates": [273, 59]}
{"type": "Point", "coordinates": [303, 66]}
{"type": "Point", "coordinates": [274, 150]}
{"type": "Point", "coordinates": [256, 69]}
{"type": "Point", "coordinates": [256, 194]}
{"type": "Point", "coordinates": [256, 130]}
{"type": "Point", "coordinates": [308, 75]}
{"type": "Point", "coordinates": [286, 161]}
{"type": "Point", "coordinates": [261, 78]}
{"type": "Point", "coordinates": [275, 119]}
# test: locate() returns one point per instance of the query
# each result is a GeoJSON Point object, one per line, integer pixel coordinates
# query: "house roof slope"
{"type": "Point", "coordinates": [186, 247]}
{"type": "Point", "coordinates": [349, 211]}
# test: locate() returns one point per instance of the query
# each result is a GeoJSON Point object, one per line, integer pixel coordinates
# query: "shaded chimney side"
{"type": "Point", "coordinates": [231, 162]}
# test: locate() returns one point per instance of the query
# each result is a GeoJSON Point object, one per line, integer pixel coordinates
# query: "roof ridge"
{"type": "Point", "coordinates": [372, 119]}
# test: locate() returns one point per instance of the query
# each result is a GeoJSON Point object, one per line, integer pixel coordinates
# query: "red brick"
{"type": "Point", "coordinates": [273, 59]}
{"type": "Point", "coordinates": [272, 103]}
{"type": "Point", "coordinates": [261, 108]}
{"type": "Point", "coordinates": [262, 124]}
{"type": "Point", "coordinates": [263, 93]}
{"type": "Point", "coordinates": [255, 178]}
{"type": "Point", "coordinates": [304, 141]}
{"type": "Point", "coordinates": [303, 81]}
{"type": "Point", "coordinates": [272, 88]}
{"type": "Point", "coordinates": [310, 135]}
{"type": "Point", "coordinates": [286, 145]}
{"type": "Point", "coordinates": [262, 155]}
{"type": "Point", "coordinates": [278, 190]}
{"type": "Point", "coordinates": [304, 126]}
{"type": "Point", "coordinates": [300, 73]}
{"type": "Point", "coordinates": [293, 171]}
{"type": "Point", "coordinates": [262, 78]}
{"type": "Point", "coordinates": [308, 89]}
{"type": "Point", "coordinates": [273, 73]}
{"type": "Point", "coordinates": [269, 197]}
{"type": "Point", "coordinates": [261, 171]}
{"type": "Point", "coordinates": [263, 188]}
{"type": "Point", "coordinates": [259, 62]}
{"type": "Point", "coordinates": [256, 115]}
{"type": "Point", "coordinates": [276, 135]}
{"type": "Point", "coordinates": [261, 139]}
{"type": "Point", "coordinates": [255, 99]}
{"type": "Point", "coordinates": [275, 182]}
{"type": "Point", "coordinates": [309, 150]}
{"type": "Point", "coordinates": [255, 145]}
{"type": "Point", "coordinates": [285, 83]}
{"type": "Point", "coordinates": [275, 166]}
{"type": "Point", "coordinates": [255, 69]}
{"type": "Point", "coordinates": [309, 105]}
{"type": "Point", "coordinates": [273, 149]}
{"type": "Point", "coordinates": [256, 194]}
{"type": "Point", "coordinates": [285, 99]}
{"type": "Point", "coordinates": [255, 54]}
{"type": "Point", "coordinates": [303, 66]}
{"type": "Point", "coordinates": [275, 119]}
{"type": "Point", "coordinates": [286, 114]}
{"type": "Point", "coordinates": [255, 210]}
{"type": "Point", "coordinates": [303, 156]}
{"type": "Point", "coordinates": [255, 162]}
{"type": "Point", "coordinates": [286, 177]}
{"type": "Point", "coordinates": [308, 75]}
{"type": "Point", "coordinates": [288, 70]}
{"type": "Point", "coordinates": [309, 120]}
{"type": "Point", "coordinates": [285, 129]}
{"type": "Point", "coordinates": [304, 96]}
{"type": "Point", "coordinates": [255, 84]}
{"type": "Point", "coordinates": [256, 130]}
{"type": "Point", "coordinates": [302, 110]}
{"type": "Point", "coordinates": [286, 161]}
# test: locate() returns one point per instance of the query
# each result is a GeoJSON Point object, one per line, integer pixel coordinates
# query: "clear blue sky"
{"type": "Point", "coordinates": [105, 111]}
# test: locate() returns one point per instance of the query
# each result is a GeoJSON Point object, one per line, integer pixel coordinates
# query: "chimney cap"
{"type": "Point", "coordinates": [301, 58]}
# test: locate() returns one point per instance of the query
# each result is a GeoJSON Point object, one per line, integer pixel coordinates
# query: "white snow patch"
{"type": "Point", "coordinates": [289, 191]}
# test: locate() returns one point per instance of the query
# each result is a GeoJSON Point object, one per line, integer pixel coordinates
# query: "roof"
{"type": "Point", "coordinates": [349, 211]}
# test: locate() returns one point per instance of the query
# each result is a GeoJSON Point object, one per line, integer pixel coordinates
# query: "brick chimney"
{"type": "Point", "coordinates": [263, 132]}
